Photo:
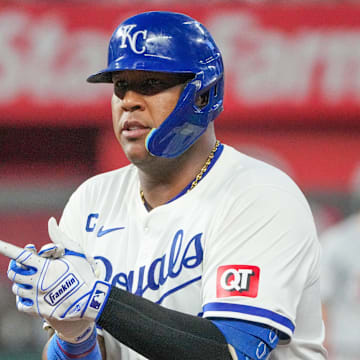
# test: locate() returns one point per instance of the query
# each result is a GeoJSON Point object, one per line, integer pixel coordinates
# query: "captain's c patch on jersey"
{"type": "Point", "coordinates": [237, 280]}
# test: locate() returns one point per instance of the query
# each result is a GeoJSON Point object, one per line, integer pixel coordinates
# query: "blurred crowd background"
{"type": "Point", "coordinates": [292, 99]}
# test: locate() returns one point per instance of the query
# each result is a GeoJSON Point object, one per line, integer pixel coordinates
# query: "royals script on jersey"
{"type": "Point", "coordinates": [242, 244]}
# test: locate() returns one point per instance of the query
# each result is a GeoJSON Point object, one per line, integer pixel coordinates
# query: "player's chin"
{"type": "Point", "coordinates": [135, 151]}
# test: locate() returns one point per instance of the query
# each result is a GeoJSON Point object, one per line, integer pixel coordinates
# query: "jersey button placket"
{"type": "Point", "coordinates": [146, 226]}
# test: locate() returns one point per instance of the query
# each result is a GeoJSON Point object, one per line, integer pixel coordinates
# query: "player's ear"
{"type": "Point", "coordinates": [202, 100]}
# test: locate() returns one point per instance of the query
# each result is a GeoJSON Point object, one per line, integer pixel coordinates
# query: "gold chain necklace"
{"type": "Point", "coordinates": [198, 176]}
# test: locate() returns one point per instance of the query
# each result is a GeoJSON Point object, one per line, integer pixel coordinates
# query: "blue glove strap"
{"type": "Point", "coordinates": [61, 350]}
{"type": "Point", "coordinates": [250, 340]}
{"type": "Point", "coordinates": [263, 332]}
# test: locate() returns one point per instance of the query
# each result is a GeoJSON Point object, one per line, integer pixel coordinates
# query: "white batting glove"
{"type": "Point", "coordinates": [60, 241]}
{"type": "Point", "coordinates": [61, 289]}
{"type": "Point", "coordinates": [66, 330]}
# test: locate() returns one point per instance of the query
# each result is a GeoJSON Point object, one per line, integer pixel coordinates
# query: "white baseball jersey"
{"type": "Point", "coordinates": [341, 287]}
{"type": "Point", "coordinates": [242, 244]}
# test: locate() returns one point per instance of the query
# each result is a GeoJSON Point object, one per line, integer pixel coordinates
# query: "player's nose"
{"type": "Point", "coordinates": [132, 101]}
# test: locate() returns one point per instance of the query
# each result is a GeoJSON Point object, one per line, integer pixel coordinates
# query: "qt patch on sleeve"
{"type": "Point", "coordinates": [237, 280]}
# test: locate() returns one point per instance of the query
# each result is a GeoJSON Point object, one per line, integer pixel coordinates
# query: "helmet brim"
{"type": "Point", "coordinates": [133, 62]}
{"type": "Point", "coordinates": [103, 76]}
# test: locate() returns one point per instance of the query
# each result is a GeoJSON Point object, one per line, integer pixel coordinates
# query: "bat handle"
{"type": "Point", "coordinates": [10, 250]}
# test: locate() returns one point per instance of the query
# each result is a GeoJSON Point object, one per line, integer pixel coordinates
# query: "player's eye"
{"type": "Point", "coordinates": [121, 85]}
{"type": "Point", "coordinates": [152, 86]}
{"type": "Point", "coordinates": [153, 82]}
{"type": "Point", "coordinates": [120, 88]}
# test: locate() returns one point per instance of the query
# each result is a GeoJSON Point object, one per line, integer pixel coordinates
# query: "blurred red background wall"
{"type": "Point", "coordinates": [292, 98]}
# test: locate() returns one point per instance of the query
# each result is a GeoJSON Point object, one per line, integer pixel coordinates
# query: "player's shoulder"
{"type": "Point", "coordinates": [109, 181]}
{"type": "Point", "coordinates": [246, 171]}
{"type": "Point", "coordinates": [266, 189]}
{"type": "Point", "coordinates": [249, 179]}
{"type": "Point", "coordinates": [116, 175]}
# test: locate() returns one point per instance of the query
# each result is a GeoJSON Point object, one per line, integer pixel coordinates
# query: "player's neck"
{"type": "Point", "coordinates": [166, 178]}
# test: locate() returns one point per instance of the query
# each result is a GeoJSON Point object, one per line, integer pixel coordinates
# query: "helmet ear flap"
{"type": "Point", "coordinates": [209, 99]}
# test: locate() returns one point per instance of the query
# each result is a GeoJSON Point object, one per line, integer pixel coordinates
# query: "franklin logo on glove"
{"type": "Point", "coordinates": [63, 289]}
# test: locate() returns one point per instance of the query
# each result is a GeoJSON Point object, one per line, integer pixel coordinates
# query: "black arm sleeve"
{"type": "Point", "coordinates": [159, 333]}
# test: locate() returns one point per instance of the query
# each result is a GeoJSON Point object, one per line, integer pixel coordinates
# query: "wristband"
{"type": "Point", "coordinates": [62, 350]}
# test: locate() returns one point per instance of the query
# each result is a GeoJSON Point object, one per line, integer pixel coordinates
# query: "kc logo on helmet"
{"type": "Point", "coordinates": [237, 280]}
{"type": "Point", "coordinates": [131, 38]}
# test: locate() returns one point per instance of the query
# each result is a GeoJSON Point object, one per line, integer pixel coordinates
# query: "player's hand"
{"type": "Point", "coordinates": [60, 241]}
{"type": "Point", "coordinates": [62, 289]}
{"type": "Point", "coordinates": [67, 330]}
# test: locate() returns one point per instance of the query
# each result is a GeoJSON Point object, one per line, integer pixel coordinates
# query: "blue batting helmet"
{"type": "Point", "coordinates": [171, 43]}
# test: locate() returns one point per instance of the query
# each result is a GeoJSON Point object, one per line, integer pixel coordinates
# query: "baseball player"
{"type": "Point", "coordinates": [195, 250]}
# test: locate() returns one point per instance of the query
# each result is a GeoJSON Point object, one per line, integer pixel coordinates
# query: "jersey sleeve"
{"type": "Point", "coordinates": [259, 256]}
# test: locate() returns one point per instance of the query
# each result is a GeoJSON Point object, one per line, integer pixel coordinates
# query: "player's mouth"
{"type": "Point", "coordinates": [134, 129]}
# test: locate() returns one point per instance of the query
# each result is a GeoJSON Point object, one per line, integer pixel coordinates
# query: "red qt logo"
{"type": "Point", "coordinates": [237, 280]}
